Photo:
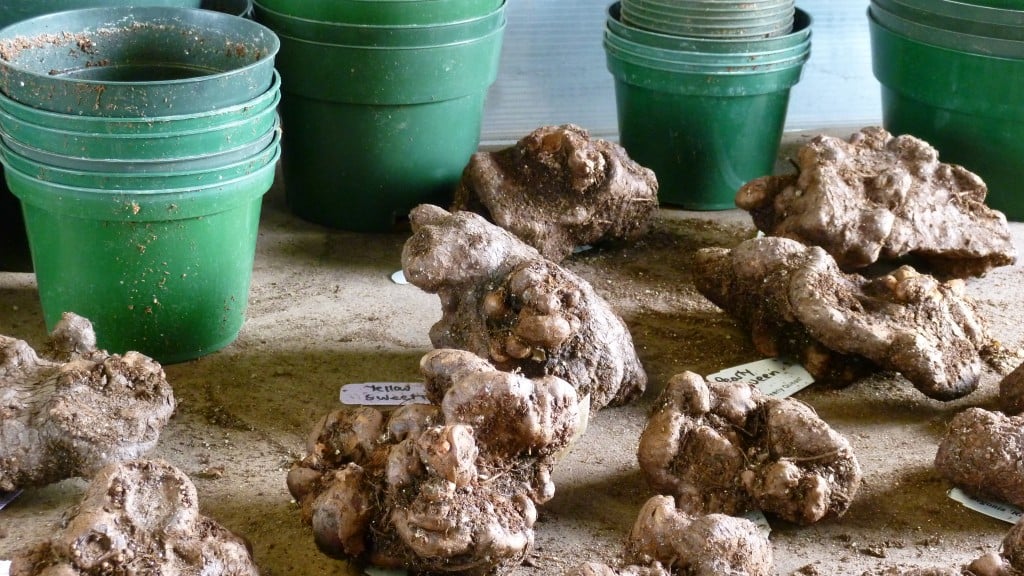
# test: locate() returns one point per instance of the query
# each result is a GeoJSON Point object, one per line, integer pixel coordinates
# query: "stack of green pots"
{"type": "Point", "coordinates": [705, 112]}
{"type": "Point", "coordinates": [13, 244]}
{"type": "Point", "coordinates": [952, 73]}
{"type": "Point", "coordinates": [140, 142]}
{"type": "Point", "coordinates": [382, 102]}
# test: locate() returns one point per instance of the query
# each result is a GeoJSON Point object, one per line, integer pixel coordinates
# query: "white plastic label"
{"type": "Point", "coordinates": [399, 278]}
{"type": "Point", "coordinates": [8, 497]}
{"type": "Point", "coordinates": [384, 394]}
{"type": "Point", "coordinates": [759, 520]}
{"type": "Point", "coordinates": [773, 376]}
{"type": "Point", "coordinates": [998, 510]}
{"type": "Point", "coordinates": [5, 568]}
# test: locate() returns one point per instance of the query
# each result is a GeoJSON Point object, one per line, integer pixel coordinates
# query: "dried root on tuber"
{"type": "Point", "coordinates": [139, 517]}
{"type": "Point", "coordinates": [726, 448]}
{"type": "Point", "coordinates": [73, 414]}
{"type": "Point", "coordinates": [880, 198]}
{"type": "Point", "coordinates": [797, 303]}
{"type": "Point", "coordinates": [503, 301]}
{"type": "Point", "coordinates": [446, 488]}
{"type": "Point", "coordinates": [557, 189]}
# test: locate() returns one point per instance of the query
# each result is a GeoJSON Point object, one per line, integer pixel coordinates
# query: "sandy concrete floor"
{"type": "Point", "coordinates": [323, 313]}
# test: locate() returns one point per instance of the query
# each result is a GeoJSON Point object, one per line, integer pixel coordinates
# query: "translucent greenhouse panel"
{"type": "Point", "coordinates": [553, 70]}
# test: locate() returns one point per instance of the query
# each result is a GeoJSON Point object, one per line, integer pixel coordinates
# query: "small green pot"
{"type": "Point", "coordinates": [965, 105]}
{"type": "Point", "coordinates": [130, 62]}
{"type": "Point", "coordinates": [165, 273]}
{"type": "Point", "coordinates": [383, 12]}
{"type": "Point", "coordinates": [704, 135]}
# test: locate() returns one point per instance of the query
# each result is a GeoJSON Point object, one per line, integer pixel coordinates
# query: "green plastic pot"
{"type": "Point", "coordinates": [393, 128]}
{"type": "Point", "coordinates": [705, 61]}
{"type": "Point", "coordinates": [12, 11]}
{"type": "Point", "coordinates": [375, 75]}
{"type": "Point", "coordinates": [383, 12]}
{"type": "Point", "coordinates": [139, 181]}
{"type": "Point", "coordinates": [166, 146]}
{"type": "Point", "coordinates": [911, 17]}
{"type": "Point", "coordinates": [955, 40]}
{"type": "Point", "coordinates": [129, 62]}
{"type": "Point", "coordinates": [703, 135]}
{"type": "Point", "coordinates": [164, 165]}
{"type": "Point", "coordinates": [974, 12]}
{"type": "Point", "coordinates": [801, 33]}
{"type": "Point", "coordinates": [965, 105]}
{"type": "Point", "coordinates": [145, 126]}
{"type": "Point", "coordinates": [165, 273]}
{"type": "Point", "coordinates": [382, 35]}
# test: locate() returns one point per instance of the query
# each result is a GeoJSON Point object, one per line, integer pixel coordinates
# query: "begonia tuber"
{"type": "Point", "coordinates": [558, 188]}
{"type": "Point", "coordinates": [797, 303]}
{"type": "Point", "coordinates": [982, 452]}
{"type": "Point", "coordinates": [880, 198]}
{"type": "Point", "coordinates": [726, 448]}
{"type": "Point", "coordinates": [139, 517]}
{"type": "Point", "coordinates": [71, 416]}
{"type": "Point", "coordinates": [1011, 391]}
{"type": "Point", "coordinates": [503, 301]}
{"type": "Point", "coordinates": [446, 488]}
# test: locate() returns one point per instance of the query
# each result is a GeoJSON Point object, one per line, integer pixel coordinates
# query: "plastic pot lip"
{"type": "Point", "coordinates": [327, 45]}
{"type": "Point", "coordinates": [383, 28]}
{"type": "Point", "coordinates": [29, 114]}
{"type": "Point", "coordinates": [56, 132]}
{"type": "Point", "coordinates": [968, 11]}
{"type": "Point", "coordinates": [801, 27]}
{"type": "Point", "coordinates": [738, 58]}
{"type": "Point", "coordinates": [947, 39]}
{"type": "Point", "coordinates": [397, 6]}
{"type": "Point", "coordinates": [141, 166]}
{"type": "Point", "coordinates": [6, 153]}
{"type": "Point", "coordinates": [139, 14]}
{"type": "Point", "coordinates": [973, 28]}
{"type": "Point", "coordinates": [712, 8]}
{"type": "Point", "coordinates": [739, 31]}
{"type": "Point", "coordinates": [742, 16]}
{"type": "Point", "coordinates": [683, 67]}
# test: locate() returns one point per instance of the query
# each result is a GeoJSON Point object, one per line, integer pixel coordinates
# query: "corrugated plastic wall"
{"type": "Point", "coordinates": [553, 70]}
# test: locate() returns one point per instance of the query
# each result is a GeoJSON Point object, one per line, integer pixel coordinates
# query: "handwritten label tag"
{"type": "Point", "coordinates": [759, 520]}
{"type": "Point", "coordinates": [5, 568]}
{"type": "Point", "coordinates": [773, 376]}
{"type": "Point", "coordinates": [384, 394]}
{"type": "Point", "coordinates": [399, 278]}
{"type": "Point", "coordinates": [8, 497]}
{"type": "Point", "coordinates": [997, 510]}
{"type": "Point", "coordinates": [371, 571]}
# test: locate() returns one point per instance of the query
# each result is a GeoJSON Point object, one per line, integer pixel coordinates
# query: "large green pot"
{"type": "Point", "coordinates": [704, 135]}
{"type": "Point", "coordinates": [389, 129]}
{"type": "Point", "coordinates": [383, 12]}
{"type": "Point", "coordinates": [127, 62]}
{"type": "Point", "coordinates": [966, 105]}
{"type": "Point", "coordinates": [406, 36]}
{"type": "Point", "coordinates": [165, 272]}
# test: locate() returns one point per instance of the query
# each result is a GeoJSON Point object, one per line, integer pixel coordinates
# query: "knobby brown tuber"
{"type": "Point", "coordinates": [726, 448]}
{"type": "Point", "coordinates": [446, 488]}
{"type": "Point", "coordinates": [503, 301]}
{"type": "Point", "coordinates": [665, 540]}
{"type": "Point", "coordinates": [557, 189]}
{"type": "Point", "coordinates": [1011, 391]}
{"type": "Point", "coordinates": [139, 517]}
{"type": "Point", "coordinates": [982, 453]}
{"type": "Point", "coordinates": [797, 303]}
{"type": "Point", "coordinates": [72, 415]}
{"type": "Point", "coordinates": [879, 198]}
